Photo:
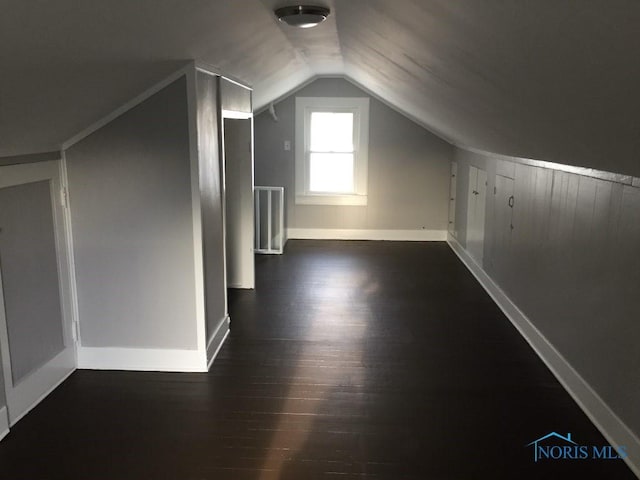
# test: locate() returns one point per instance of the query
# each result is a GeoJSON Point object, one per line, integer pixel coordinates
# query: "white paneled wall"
{"type": "Point", "coordinates": [565, 249]}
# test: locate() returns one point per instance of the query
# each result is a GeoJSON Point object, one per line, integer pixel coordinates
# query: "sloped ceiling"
{"type": "Point", "coordinates": [553, 80]}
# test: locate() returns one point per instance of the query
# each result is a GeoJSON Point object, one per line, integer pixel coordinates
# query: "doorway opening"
{"type": "Point", "coordinates": [238, 201]}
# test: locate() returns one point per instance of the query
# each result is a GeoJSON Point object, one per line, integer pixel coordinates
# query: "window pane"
{"type": "Point", "coordinates": [331, 132]}
{"type": "Point", "coordinates": [331, 172]}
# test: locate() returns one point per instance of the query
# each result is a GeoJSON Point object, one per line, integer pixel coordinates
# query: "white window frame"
{"type": "Point", "coordinates": [360, 108]}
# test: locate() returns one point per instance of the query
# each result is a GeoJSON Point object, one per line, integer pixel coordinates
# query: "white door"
{"type": "Point", "coordinates": [503, 202]}
{"type": "Point", "coordinates": [38, 350]}
{"type": "Point", "coordinates": [477, 196]}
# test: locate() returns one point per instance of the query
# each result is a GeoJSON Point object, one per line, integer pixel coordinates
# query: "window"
{"type": "Point", "coordinates": [331, 150]}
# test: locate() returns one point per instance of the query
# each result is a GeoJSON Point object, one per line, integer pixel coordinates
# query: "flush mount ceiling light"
{"type": "Point", "coordinates": [302, 16]}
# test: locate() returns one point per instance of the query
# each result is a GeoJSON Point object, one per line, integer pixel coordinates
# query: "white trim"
{"type": "Point", "coordinates": [196, 218]}
{"type": "Point", "coordinates": [270, 249]}
{"type": "Point", "coordinates": [320, 199]}
{"type": "Point", "coordinates": [189, 67]}
{"type": "Point", "coordinates": [4, 422]}
{"type": "Point", "coordinates": [215, 354]}
{"type": "Point", "coordinates": [73, 285]}
{"type": "Point", "coordinates": [42, 397]}
{"type": "Point", "coordinates": [304, 107]}
{"type": "Point", "coordinates": [237, 115]}
{"type": "Point", "coordinates": [223, 194]}
{"type": "Point", "coordinates": [600, 414]}
{"type": "Point", "coordinates": [214, 348]}
{"type": "Point", "coordinates": [362, 234]}
{"type": "Point", "coordinates": [224, 324]}
{"type": "Point", "coordinates": [241, 286]}
{"type": "Point", "coordinates": [141, 359]}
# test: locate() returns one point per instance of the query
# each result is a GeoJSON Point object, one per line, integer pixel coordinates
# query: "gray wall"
{"type": "Point", "coordinates": [571, 264]}
{"type": "Point", "coordinates": [3, 398]}
{"type": "Point", "coordinates": [408, 168]}
{"type": "Point", "coordinates": [211, 200]}
{"type": "Point", "coordinates": [131, 209]}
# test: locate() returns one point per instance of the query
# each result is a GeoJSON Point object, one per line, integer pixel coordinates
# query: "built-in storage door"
{"type": "Point", "coordinates": [477, 197]}
{"type": "Point", "coordinates": [503, 203]}
{"type": "Point", "coordinates": [36, 341]}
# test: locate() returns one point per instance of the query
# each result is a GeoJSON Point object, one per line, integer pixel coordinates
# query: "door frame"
{"type": "Point", "coordinates": [29, 392]}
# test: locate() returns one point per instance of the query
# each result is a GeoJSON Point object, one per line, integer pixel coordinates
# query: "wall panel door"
{"type": "Point", "coordinates": [38, 351]}
{"type": "Point", "coordinates": [503, 203]}
{"type": "Point", "coordinates": [477, 197]}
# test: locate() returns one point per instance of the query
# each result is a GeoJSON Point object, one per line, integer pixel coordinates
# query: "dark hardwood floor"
{"type": "Point", "coordinates": [351, 360]}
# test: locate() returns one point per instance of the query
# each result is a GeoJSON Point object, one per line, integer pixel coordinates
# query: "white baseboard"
{"type": "Point", "coordinates": [361, 234]}
{"type": "Point", "coordinates": [600, 414]}
{"type": "Point", "coordinates": [41, 386]}
{"type": "Point", "coordinates": [4, 422]}
{"type": "Point", "coordinates": [141, 359]}
{"type": "Point", "coordinates": [217, 340]}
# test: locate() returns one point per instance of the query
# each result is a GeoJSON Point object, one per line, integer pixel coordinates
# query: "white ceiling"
{"type": "Point", "coordinates": [555, 80]}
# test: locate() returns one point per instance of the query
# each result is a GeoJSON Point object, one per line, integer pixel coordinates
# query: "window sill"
{"type": "Point", "coordinates": [353, 200]}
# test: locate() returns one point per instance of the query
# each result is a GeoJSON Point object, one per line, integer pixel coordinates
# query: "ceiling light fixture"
{"type": "Point", "coordinates": [302, 16]}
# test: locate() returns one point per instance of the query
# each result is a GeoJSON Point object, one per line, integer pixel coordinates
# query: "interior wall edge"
{"type": "Point", "coordinates": [218, 72]}
{"type": "Point", "coordinates": [141, 359]}
{"type": "Point", "coordinates": [196, 209]}
{"type": "Point", "coordinates": [73, 283]}
{"type": "Point", "coordinates": [364, 234]}
{"type": "Point", "coordinates": [601, 415]}
{"type": "Point", "coordinates": [134, 102]}
{"type": "Point", "coordinates": [120, 257]}
{"type": "Point", "coordinates": [208, 183]}
{"type": "Point", "coordinates": [4, 422]}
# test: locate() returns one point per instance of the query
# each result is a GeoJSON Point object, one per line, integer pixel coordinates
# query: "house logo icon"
{"type": "Point", "coordinates": [566, 440]}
